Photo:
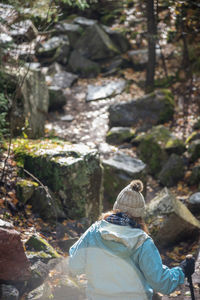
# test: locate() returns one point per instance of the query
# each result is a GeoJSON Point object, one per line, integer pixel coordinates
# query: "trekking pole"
{"type": "Point", "coordinates": [189, 277]}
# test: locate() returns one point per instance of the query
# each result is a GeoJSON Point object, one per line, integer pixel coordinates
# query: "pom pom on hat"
{"type": "Point", "coordinates": [130, 200]}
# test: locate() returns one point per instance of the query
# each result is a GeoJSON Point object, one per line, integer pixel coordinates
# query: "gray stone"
{"type": "Point", "coordinates": [172, 171]}
{"type": "Point", "coordinates": [47, 206]}
{"type": "Point", "coordinates": [119, 170]}
{"type": "Point", "coordinates": [152, 109]}
{"type": "Point", "coordinates": [118, 38]}
{"type": "Point", "coordinates": [5, 224]}
{"type": "Point", "coordinates": [74, 170]}
{"type": "Point", "coordinates": [36, 102]}
{"type": "Point", "coordinates": [83, 66]}
{"type": "Point", "coordinates": [194, 150]}
{"type": "Point", "coordinates": [113, 66]}
{"type": "Point", "coordinates": [169, 220]}
{"type": "Point", "coordinates": [54, 68]}
{"type": "Point", "coordinates": [139, 58]}
{"type": "Point", "coordinates": [194, 203]}
{"type": "Point", "coordinates": [73, 31]}
{"type": "Point", "coordinates": [155, 145]}
{"type": "Point", "coordinates": [110, 89]}
{"type": "Point", "coordinates": [23, 31]}
{"type": "Point", "coordinates": [84, 22]}
{"type": "Point", "coordinates": [67, 118]}
{"type": "Point", "coordinates": [36, 244]}
{"type": "Point", "coordinates": [9, 292]}
{"type": "Point", "coordinates": [39, 272]}
{"type": "Point", "coordinates": [57, 98]}
{"type": "Point", "coordinates": [119, 135]}
{"type": "Point", "coordinates": [195, 176]}
{"type": "Point", "coordinates": [55, 49]}
{"type": "Point", "coordinates": [64, 79]}
{"type": "Point", "coordinates": [25, 189]}
{"type": "Point", "coordinates": [95, 44]}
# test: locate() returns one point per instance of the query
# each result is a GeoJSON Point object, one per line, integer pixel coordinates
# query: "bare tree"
{"type": "Point", "coordinates": [151, 36]}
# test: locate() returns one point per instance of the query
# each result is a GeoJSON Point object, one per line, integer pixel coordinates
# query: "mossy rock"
{"type": "Point", "coordinates": [37, 243]}
{"type": "Point", "coordinates": [172, 171]}
{"type": "Point", "coordinates": [72, 172]}
{"type": "Point", "coordinates": [155, 145]}
{"type": "Point", "coordinates": [197, 124]}
{"type": "Point", "coordinates": [152, 109]}
{"type": "Point", "coordinates": [25, 189]}
{"type": "Point", "coordinates": [119, 135]}
{"type": "Point", "coordinates": [195, 135]}
{"type": "Point", "coordinates": [195, 176]}
{"type": "Point", "coordinates": [194, 150]}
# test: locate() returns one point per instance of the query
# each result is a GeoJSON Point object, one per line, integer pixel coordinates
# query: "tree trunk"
{"type": "Point", "coordinates": [151, 35]}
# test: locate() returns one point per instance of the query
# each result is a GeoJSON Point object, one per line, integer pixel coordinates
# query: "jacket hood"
{"type": "Point", "coordinates": [122, 239]}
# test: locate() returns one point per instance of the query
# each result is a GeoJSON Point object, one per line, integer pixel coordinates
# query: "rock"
{"type": "Point", "coordinates": [25, 189]}
{"type": "Point", "coordinates": [160, 106]}
{"type": "Point", "coordinates": [139, 58]}
{"type": "Point", "coordinates": [39, 272]}
{"type": "Point", "coordinates": [113, 66]}
{"type": "Point", "coordinates": [119, 135]}
{"type": "Point", "coordinates": [47, 206]}
{"type": "Point", "coordinates": [72, 172]}
{"type": "Point", "coordinates": [54, 68]}
{"type": "Point", "coordinates": [5, 224]}
{"type": "Point", "coordinates": [42, 292]}
{"type": "Point", "coordinates": [108, 90]}
{"type": "Point", "coordinates": [66, 244]}
{"type": "Point", "coordinates": [194, 150]}
{"type": "Point", "coordinates": [23, 31]}
{"type": "Point", "coordinates": [169, 220]}
{"type": "Point", "coordinates": [34, 256]}
{"type": "Point", "coordinates": [55, 49]}
{"type": "Point", "coordinates": [67, 118]}
{"type": "Point", "coordinates": [119, 170]}
{"type": "Point", "coordinates": [9, 292]}
{"type": "Point", "coordinates": [194, 203]}
{"type": "Point", "coordinates": [118, 38]}
{"type": "Point", "coordinates": [172, 171]}
{"type": "Point", "coordinates": [195, 176]}
{"type": "Point", "coordinates": [57, 98]}
{"type": "Point", "coordinates": [84, 22]}
{"type": "Point", "coordinates": [83, 66]}
{"type": "Point", "coordinates": [73, 31]}
{"type": "Point", "coordinates": [95, 44]}
{"type": "Point", "coordinates": [37, 243]}
{"type": "Point", "coordinates": [36, 102]}
{"type": "Point", "coordinates": [155, 145]}
{"type": "Point", "coordinates": [63, 79]}
{"type": "Point", "coordinates": [13, 264]}
{"type": "Point", "coordinates": [8, 14]}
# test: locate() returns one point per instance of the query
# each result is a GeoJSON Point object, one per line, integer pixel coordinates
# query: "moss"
{"type": "Point", "coordinates": [152, 154]}
{"type": "Point", "coordinates": [37, 243]}
{"type": "Point", "coordinates": [165, 82]}
{"type": "Point", "coordinates": [191, 137]}
{"type": "Point", "coordinates": [169, 104]}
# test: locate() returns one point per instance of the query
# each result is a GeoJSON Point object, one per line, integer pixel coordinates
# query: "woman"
{"type": "Point", "coordinates": [118, 256]}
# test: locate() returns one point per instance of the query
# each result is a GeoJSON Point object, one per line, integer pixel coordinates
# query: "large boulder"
{"type": "Point", "coordinates": [194, 203]}
{"type": "Point", "coordinates": [14, 264]}
{"type": "Point", "coordinates": [194, 177]}
{"type": "Point", "coordinates": [194, 150]}
{"type": "Point", "coordinates": [152, 109]}
{"type": "Point", "coordinates": [169, 220]}
{"type": "Point", "coordinates": [118, 37]}
{"type": "Point", "coordinates": [139, 58]}
{"type": "Point", "coordinates": [119, 170]}
{"type": "Point", "coordinates": [172, 171]}
{"type": "Point", "coordinates": [155, 145]}
{"type": "Point", "coordinates": [95, 44]}
{"type": "Point", "coordinates": [82, 65]}
{"type": "Point", "coordinates": [72, 172]}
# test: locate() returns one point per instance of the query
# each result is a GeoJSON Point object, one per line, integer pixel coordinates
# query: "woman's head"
{"type": "Point", "coordinates": [130, 200]}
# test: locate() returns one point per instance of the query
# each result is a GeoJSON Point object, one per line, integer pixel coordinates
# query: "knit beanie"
{"type": "Point", "coordinates": [130, 200]}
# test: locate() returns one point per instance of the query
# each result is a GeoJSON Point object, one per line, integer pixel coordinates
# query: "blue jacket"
{"type": "Point", "coordinates": [121, 262]}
